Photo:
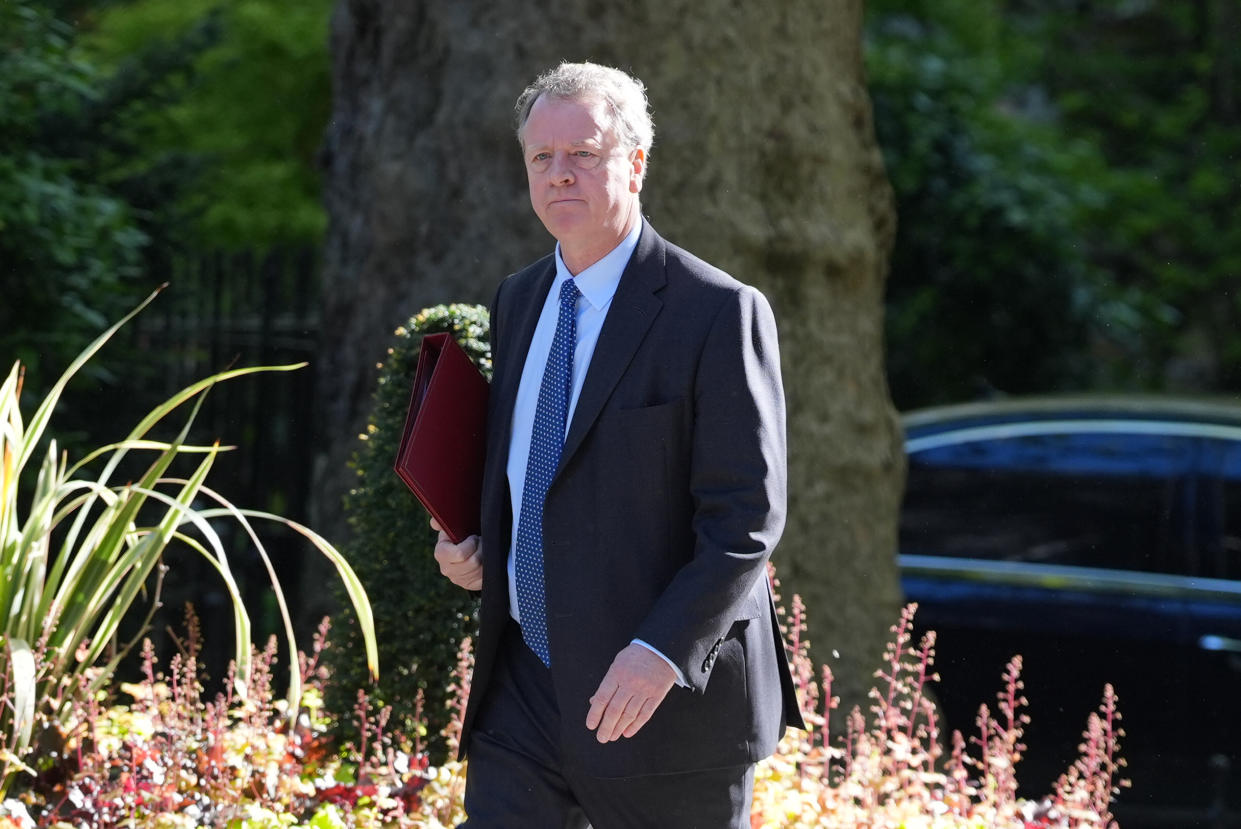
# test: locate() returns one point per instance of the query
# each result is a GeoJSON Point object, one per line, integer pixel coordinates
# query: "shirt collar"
{"type": "Point", "coordinates": [598, 283]}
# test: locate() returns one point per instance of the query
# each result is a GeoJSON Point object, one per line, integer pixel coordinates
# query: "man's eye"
{"type": "Point", "coordinates": [541, 157]}
{"type": "Point", "coordinates": [586, 159]}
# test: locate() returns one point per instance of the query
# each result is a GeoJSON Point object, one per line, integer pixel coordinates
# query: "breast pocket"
{"type": "Point", "coordinates": [640, 458]}
{"type": "Point", "coordinates": [632, 436]}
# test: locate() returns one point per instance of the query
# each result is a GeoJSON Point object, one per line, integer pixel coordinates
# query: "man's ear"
{"type": "Point", "coordinates": [637, 160]}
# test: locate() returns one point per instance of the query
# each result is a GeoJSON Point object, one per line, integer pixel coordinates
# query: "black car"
{"type": "Point", "coordinates": [1100, 538]}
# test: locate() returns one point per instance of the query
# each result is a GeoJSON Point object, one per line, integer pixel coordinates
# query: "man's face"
{"type": "Point", "coordinates": [584, 184]}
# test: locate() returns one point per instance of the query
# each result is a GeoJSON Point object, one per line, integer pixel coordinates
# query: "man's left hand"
{"type": "Point", "coordinates": [632, 689]}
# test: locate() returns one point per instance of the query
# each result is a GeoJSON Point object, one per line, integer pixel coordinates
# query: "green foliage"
{"type": "Point", "coordinates": [260, 100]}
{"type": "Point", "coordinates": [79, 549]}
{"type": "Point", "coordinates": [1157, 88]}
{"type": "Point", "coordinates": [989, 288]}
{"type": "Point", "coordinates": [137, 134]}
{"type": "Point", "coordinates": [1066, 190]}
{"type": "Point", "coordinates": [420, 617]}
{"type": "Point", "coordinates": [81, 203]}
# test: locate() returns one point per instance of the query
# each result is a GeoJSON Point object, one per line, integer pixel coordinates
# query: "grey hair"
{"type": "Point", "coordinates": [622, 94]}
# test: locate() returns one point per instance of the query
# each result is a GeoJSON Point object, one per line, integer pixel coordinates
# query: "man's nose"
{"type": "Point", "coordinates": [561, 169]}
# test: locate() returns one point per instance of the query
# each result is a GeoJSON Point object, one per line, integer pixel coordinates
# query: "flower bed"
{"type": "Point", "coordinates": [169, 758]}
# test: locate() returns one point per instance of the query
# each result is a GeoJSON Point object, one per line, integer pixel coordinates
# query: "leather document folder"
{"type": "Point", "coordinates": [444, 441]}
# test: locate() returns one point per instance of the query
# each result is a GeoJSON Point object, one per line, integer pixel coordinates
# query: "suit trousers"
{"type": "Point", "coordinates": [517, 778]}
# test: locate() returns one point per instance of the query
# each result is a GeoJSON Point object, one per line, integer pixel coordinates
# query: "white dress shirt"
{"type": "Point", "coordinates": [598, 285]}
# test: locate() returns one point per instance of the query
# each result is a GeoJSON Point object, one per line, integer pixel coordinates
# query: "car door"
{"type": "Point", "coordinates": [1214, 610]}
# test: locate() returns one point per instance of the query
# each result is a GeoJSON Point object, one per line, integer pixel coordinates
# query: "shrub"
{"type": "Point", "coordinates": [79, 550]}
{"type": "Point", "coordinates": [85, 205]}
{"type": "Point", "coordinates": [420, 617]}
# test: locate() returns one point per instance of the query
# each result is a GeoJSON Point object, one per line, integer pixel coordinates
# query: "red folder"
{"type": "Point", "coordinates": [444, 441]}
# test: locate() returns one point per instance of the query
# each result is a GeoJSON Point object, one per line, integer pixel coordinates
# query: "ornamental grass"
{"type": "Point", "coordinates": [82, 551]}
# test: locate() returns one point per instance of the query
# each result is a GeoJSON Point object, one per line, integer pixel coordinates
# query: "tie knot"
{"type": "Point", "coordinates": [569, 292]}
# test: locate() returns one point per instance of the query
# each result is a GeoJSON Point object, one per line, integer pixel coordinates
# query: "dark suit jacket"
{"type": "Point", "coordinates": [668, 500]}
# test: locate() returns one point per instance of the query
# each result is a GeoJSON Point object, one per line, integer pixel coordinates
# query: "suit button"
{"type": "Point", "coordinates": [710, 660]}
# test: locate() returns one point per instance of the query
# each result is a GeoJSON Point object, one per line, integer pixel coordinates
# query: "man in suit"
{"type": "Point", "coordinates": [629, 669]}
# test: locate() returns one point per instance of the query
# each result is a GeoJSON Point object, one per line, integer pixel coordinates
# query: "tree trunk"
{"type": "Point", "coordinates": [765, 164]}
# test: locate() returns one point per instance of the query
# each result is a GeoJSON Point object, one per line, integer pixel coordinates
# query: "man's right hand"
{"type": "Point", "coordinates": [461, 563]}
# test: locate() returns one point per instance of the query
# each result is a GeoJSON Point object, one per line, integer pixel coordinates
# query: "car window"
{"type": "Point", "coordinates": [1221, 509]}
{"type": "Point", "coordinates": [1103, 499]}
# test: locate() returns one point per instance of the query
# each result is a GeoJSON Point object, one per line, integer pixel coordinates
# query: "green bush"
{"type": "Point", "coordinates": [86, 211]}
{"type": "Point", "coordinates": [420, 617]}
{"type": "Point", "coordinates": [990, 286]}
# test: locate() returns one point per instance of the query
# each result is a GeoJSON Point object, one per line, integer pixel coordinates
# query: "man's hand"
{"type": "Point", "coordinates": [461, 563]}
{"type": "Point", "coordinates": [632, 689]}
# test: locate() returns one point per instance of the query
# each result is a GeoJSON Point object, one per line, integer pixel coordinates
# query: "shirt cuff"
{"type": "Point", "coordinates": [680, 676]}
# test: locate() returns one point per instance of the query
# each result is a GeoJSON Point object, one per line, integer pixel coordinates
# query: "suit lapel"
{"type": "Point", "coordinates": [634, 308]}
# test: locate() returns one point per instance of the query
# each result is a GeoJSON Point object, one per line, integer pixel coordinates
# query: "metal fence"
{"type": "Point", "coordinates": [233, 310]}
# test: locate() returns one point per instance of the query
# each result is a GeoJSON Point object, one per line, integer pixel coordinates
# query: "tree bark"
{"type": "Point", "coordinates": [765, 164]}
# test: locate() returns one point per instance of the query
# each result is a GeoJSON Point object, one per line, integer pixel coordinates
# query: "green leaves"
{"type": "Point", "coordinates": [77, 552]}
{"type": "Point", "coordinates": [1066, 181]}
{"type": "Point", "coordinates": [988, 287]}
{"type": "Point", "coordinates": [260, 100]}
{"type": "Point", "coordinates": [79, 203]}
{"type": "Point", "coordinates": [21, 665]}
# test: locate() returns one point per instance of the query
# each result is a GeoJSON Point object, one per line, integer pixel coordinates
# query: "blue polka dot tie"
{"type": "Point", "coordinates": [546, 440]}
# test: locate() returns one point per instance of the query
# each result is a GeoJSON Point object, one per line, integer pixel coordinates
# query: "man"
{"type": "Point", "coordinates": [629, 670]}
